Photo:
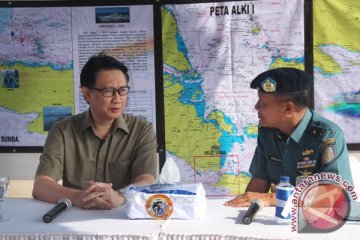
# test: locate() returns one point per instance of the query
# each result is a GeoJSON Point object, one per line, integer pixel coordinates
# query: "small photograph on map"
{"type": "Point", "coordinates": [9, 78]}
{"type": "Point", "coordinates": [112, 15]}
{"type": "Point", "coordinates": [53, 114]}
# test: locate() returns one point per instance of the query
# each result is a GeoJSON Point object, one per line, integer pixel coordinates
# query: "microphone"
{"type": "Point", "coordinates": [63, 204]}
{"type": "Point", "coordinates": [255, 206]}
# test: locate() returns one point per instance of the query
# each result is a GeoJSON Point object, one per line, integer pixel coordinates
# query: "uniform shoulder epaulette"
{"type": "Point", "coordinates": [316, 131]}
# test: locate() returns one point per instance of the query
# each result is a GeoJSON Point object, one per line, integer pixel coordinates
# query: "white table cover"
{"type": "Point", "coordinates": [220, 223]}
{"type": "Point", "coordinates": [73, 224]}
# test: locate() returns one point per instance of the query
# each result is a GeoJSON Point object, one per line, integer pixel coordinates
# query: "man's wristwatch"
{"type": "Point", "coordinates": [122, 193]}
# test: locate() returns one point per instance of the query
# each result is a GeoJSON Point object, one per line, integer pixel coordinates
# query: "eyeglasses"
{"type": "Point", "coordinates": [111, 92]}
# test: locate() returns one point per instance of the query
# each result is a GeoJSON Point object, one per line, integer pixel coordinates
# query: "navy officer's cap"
{"type": "Point", "coordinates": [282, 80]}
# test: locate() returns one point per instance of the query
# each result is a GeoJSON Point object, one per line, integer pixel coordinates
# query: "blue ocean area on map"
{"type": "Point", "coordinates": [347, 104]}
{"type": "Point", "coordinates": [56, 67]}
{"type": "Point", "coordinates": [246, 173]}
{"type": "Point", "coordinates": [287, 60]}
{"type": "Point", "coordinates": [323, 74]}
{"type": "Point", "coordinates": [230, 122]}
{"type": "Point", "coordinates": [181, 46]}
{"type": "Point", "coordinates": [227, 121]}
{"type": "Point", "coordinates": [226, 142]}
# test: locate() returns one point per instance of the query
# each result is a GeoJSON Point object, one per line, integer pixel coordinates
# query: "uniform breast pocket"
{"type": "Point", "coordinates": [120, 173]}
{"type": "Point", "coordinates": [274, 171]}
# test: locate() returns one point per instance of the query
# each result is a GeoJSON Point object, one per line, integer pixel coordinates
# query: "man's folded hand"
{"type": "Point", "coordinates": [243, 200]}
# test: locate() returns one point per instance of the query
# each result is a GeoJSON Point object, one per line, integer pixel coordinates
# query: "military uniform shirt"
{"type": "Point", "coordinates": [73, 152]}
{"type": "Point", "coordinates": [316, 145]}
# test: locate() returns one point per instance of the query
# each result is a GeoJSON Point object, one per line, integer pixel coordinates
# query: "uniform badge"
{"type": "Point", "coordinates": [305, 173]}
{"type": "Point", "coordinates": [307, 152]}
{"type": "Point", "coordinates": [306, 163]}
{"type": "Point", "coordinates": [328, 154]}
{"type": "Point", "coordinates": [269, 85]}
{"type": "Point", "coordinates": [328, 141]}
{"type": "Point", "coordinates": [159, 206]}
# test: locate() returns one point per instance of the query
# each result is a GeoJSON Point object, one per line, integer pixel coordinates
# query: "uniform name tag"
{"type": "Point", "coordinates": [275, 159]}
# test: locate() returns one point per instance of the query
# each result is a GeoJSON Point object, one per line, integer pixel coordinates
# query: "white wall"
{"type": "Point", "coordinates": [355, 170]}
{"type": "Point", "coordinates": [19, 165]}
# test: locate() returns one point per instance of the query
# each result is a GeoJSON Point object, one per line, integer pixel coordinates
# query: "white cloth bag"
{"type": "Point", "coordinates": [162, 201]}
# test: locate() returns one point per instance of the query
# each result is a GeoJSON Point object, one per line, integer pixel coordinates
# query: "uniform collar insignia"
{"type": "Point", "coordinates": [316, 131]}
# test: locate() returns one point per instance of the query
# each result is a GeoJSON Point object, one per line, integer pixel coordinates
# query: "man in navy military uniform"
{"type": "Point", "coordinates": [293, 139]}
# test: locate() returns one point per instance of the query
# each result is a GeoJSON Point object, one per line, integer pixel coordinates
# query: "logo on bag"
{"type": "Point", "coordinates": [159, 206]}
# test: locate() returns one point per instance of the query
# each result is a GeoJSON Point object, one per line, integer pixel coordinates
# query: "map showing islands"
{"type": "Point", "coordinates": [42, 52]}
{"type": "Point", "coordinates": [337, 64]}
{"type": "Point", "coordinates": [211, 52]}
{"type": "Point", "coordinates": [35, 73]}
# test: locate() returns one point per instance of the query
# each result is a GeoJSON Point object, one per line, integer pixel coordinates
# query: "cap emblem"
{"type": "Point", "coordinates": [268, 85]}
